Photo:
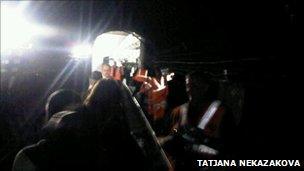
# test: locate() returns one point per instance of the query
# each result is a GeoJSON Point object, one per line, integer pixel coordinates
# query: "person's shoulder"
{"type": "Point", "coordinates": [22, 162]}
{"type": "Point", "coordinates": [24, 158]}
{"type": "Point", "coordinates": [61, 117]}
{"type": "Point", "coordinates": [64, 120]}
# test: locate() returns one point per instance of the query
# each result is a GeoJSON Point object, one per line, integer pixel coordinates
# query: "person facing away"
{"type": "Point", "coordinates": [94, 136]}
{"type": "Point", "coordinates": [56, 102]}
{"type": "Point", "coordinates": [59, 100]}
{"type": "Point", "coordinates": [95, 76]}
{"type": "Point", "coordinates": [203, 99]}
{"type": "Point", "coordinates": [205, 119]}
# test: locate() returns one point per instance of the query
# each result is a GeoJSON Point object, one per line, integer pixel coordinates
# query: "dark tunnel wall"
{"type": "Point", "coordinates": [203, 29]}
{"type": "Point", "coordinates": [256, 41]}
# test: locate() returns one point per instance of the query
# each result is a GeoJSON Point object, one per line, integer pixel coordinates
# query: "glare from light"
{"type": "Point", "coordinates": [159, 85]}
{"type": "Point", "coordinates": [120, 47]}
{"type": "Point", "coordinates": [105, 44]}
{"type": "Point", "coordinates": [81, 51]}
{"type": "Point", "coordinates": [118, 64]}
{"type": "Point", "coordinates": [111, 63]}
{"type": "Point", "coordinates": [132, 71]}
{"type": "Point", "coordinates": [16, 30]}
{"type": "Point", "coordinates": [170, 76]}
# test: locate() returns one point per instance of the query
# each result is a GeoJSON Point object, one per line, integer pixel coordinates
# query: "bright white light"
{"type": "Point", "coordinates": [81, 51]}
{"type": "Point", "coordinates": [16, 30]}
{"type": "Point", "coordinates": [170, 76]}
{"type": "Point", "coordinates": [111, 63]}
{"type": "Point", "coordinates": [118, 64]}
{"type": "Point", "coordinates": [119, 46]}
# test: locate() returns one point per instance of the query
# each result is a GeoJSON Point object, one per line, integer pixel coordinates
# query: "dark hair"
{"type": "Point", "coordinates": [105, 95]}
{"type": "Point", "coordinates": [203, 86]}
{"type": "Point", "coordinates": [106, 60]}
{"type": "Point", "coordinates": [177, 91]}
{"type": "Point", "coordinates": [203, 90]}
{"type": "Point", "coordinates": [59, 100]}
{"type": "Point", "coordinates": [96, 75]}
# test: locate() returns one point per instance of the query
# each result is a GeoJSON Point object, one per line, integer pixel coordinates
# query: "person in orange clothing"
{"type": "Point", "coordinates": [204, 110]}
{"type": "Point", "coordinates": [157, 97]}
{"type": "Point", "coordinates": [156, 92]}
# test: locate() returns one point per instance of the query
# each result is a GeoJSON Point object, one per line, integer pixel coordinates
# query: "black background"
{"type": "Point", "coordinates": [258, 38]}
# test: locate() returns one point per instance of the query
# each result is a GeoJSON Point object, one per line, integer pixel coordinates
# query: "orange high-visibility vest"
{"type": "Point", "coordinates": [157, 101]}
{"type": "Point", "coordinates": [141, 75]}
{"type": "Point", "coordinates": [179, 116]}
{"type": "Point", "coordinates": [156, 95]}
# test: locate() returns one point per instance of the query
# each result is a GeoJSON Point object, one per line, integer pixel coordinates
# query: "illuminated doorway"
{"type": "Point", "coordinates": [118, 47]}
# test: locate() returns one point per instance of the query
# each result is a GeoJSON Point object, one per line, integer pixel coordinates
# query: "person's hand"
{"type": "Point", "coordinates": [145, 87]}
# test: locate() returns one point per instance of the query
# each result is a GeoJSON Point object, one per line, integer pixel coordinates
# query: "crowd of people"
{"type": "Point", "coordinates": [154, 123]}
{"type": "Point", "coordinates": [189, 117]}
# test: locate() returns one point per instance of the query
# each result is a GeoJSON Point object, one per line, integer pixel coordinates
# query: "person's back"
{"type": "Point", "coordinates": [59, 100]}
{"type": "Point", "coordinates": [95, 136]}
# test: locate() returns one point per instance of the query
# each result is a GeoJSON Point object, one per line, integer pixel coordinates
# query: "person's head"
{"type": "Point", "coordinates": [105, 71]}
{"type": "Point", "coordinates": [201, 86]}
{"type": "Point", "coordinates": [105, 96]}
{"type": "Point", "coordinates": [177, 94]}
{"type": "Point", "coordinates": [95, 76]}
{"type": "Point", "coordinates": [59, 100]}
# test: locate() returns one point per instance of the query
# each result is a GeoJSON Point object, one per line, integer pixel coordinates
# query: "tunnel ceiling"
{"type": "Point", "coordinates": [197, 31]}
